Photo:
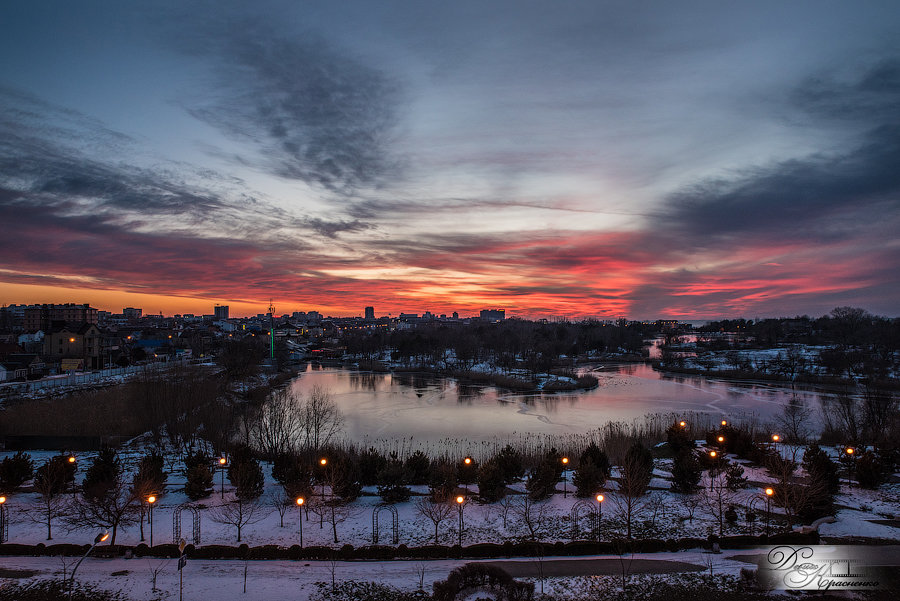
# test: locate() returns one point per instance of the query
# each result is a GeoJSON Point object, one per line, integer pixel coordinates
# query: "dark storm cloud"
{"type": "Point", "coordinates": [820, 197]}
{"type": "Point", "coordinates": [314, 114]}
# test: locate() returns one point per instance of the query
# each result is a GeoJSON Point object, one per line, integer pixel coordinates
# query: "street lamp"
{"type": "Point", "coordinates": [724, 423]}
{"type": "Point", "coordinates": [150, 501]}
{"type": "Point", "coordinates": [300, 501]}
{"type": "Point", "coordinates": [850, 454]}
{"type": "Point", "coordinates": [712, 470]}
{"type": "Point", "coordinates": [769, 493]}
{"type": "Point", "coordinates": [721, 439]}
{"type": "Point", "coordinates": [97, 540]}
{"type": "Point", "coordinates": [222, 462]}
{"type": "Point", "coordinates": [775, 439]}
{"type": "Point", "coordinates": [565, 462]}
{"type": "Point", "coordinates": [599, 514]}
{"type": "Point", "coordinates": [323, 462]}
{"type": "Point", "coordinates": [683, 424]}
{"type": "Point", "coordinates": [460, 500]}
{"type": "Point", "coordinates": [4, 520]}
{"type": "Point", "coordinates": [71, 461]}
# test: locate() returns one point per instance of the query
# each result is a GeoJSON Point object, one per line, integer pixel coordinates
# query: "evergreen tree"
{"type": "Point", "coordinates": [102, 474]}
{"type": "Point", "coordinates": [869, 470]}
{"type": "Point", "coordinates": [150, 478]}
{"type": "Point", "coordinates": [418, 468]}
{"type": "Point", "coordinates": [443, 481]}
{"type": "Point", "coordinates": [370, 463]}
{"type": "Point", "coordinates": [595, 455]}
{"type": "Point", "coordinates": [588, 478]}
{"type": "Point", "coordinates": [391, 483]}
{"type": "Point", "coordinates": [15, 471]}
{"type": "Point", "coordinates": [247, 478]}
{"type": "Point", "coordinates": [294, 475]}
{"type": "Point", "coordinates": [510, 463]}
{"type": "Point", "coordinates": [198, 475]}
{"type": "Point", "coordinates": [686, 471]}
{"type": "Point", "coordinates": [678, 439]}
{"type": "Point", "coordinates": [491, 487]}
{"type": "Point", "coordinates": [821, 469]}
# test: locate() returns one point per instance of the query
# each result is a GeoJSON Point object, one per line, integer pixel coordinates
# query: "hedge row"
{"type": "Point", "coordinates": [349, 552]}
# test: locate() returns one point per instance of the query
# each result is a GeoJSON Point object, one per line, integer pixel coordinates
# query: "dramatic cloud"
{"type": "Point", "coordinates": [313, 113]}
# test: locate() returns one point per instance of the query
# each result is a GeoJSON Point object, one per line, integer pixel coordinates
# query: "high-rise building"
{"type": "Point", "coordinates": [370, 312]}
{"type": "Point", "coordinates": [132, 313]}
{"type": "Point", "coordinates": [220, 312]}
{"type": "Point", "coordinates": [493, 314]}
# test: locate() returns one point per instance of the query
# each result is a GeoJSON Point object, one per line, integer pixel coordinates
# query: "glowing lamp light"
{"type": "Point", "coordinates": [151, 499]}
{"type": "Point", "coordinates": [770, 492]}
{"type": "Point", "coordinates": [565, 460]}
{"type": "Point", "coordinates": [71, 459]}
{"type": "Point", "coordinates": [460, 499]}
{"type": "Point", "coordinates": [467, 460]}
{"type": "Point", "coordinates": [682, 424]}
{"type": "Point", "coordinates": [101, 537]}
{"type": "Point", "coordinates": [222, 461]}
{"type": "Point", "coordinates": [300, 500]}
{"type": "Point", "coordinates": [71, 340]}
{"type": "Point", "coordinates": [850, 450]}
{"type": "Point", "coordinates": [323, 461]}
{"type": "Point", "coordinates": [713, 454]}
{"type": "Point", "coordinates": [600, 498]}
{"type": "Point", "coordinates": [2, 500]}
{"type": "Point", "coordinates": [775, 438]}
{"type": "Point", "coordinates": [724, 423]}
{"type": "Point", "coordinates": [721, 439]}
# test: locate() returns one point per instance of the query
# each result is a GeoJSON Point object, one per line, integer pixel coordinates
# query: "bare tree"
{"type": "Point", "coordinates": [277, 427]}
{"type": "Point", "coordinates": [281, 503]}
{"type": "Point", "coordinates": [239, 513]}
{"type": "Point", "coordinates": [155, 569]}
{"type": "Point", "coordinates": [717, 498]}
{"type": "Point", "coordinates": [50, 483]}
{"type": "Point", "coordinates": [532, 515]}
{"type": "Point", "coordinates": [794, 420]}
{"type": "Point", "coordinates": [690, 503]}
{"type": "Point", "coordinates": [340, 511]}
{"type": "Point", "coordinates": [437, 512]}
{"type": "Point", "coordinates": [322, 419]}
{"type": "Point", "coordinates": [115, 508]}
{"type": "Point", "coordinates": [636, 472]}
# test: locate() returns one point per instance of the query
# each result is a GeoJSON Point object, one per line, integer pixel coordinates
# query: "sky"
{"type": "Point", "coordinates": [689, 160]}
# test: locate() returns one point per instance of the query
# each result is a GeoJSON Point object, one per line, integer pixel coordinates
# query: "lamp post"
{"type": "Point", "coordinates": [852, 461]}
{"type": "Point", "coordinates": [97, 540]}
{"type": "Point", "coordinates": [467, 462]}
{"type": "Point", "coordinates": [724, 423]}
{"type": "Point", "coordinates": [150, 501]}
{"type": "Point", "coordinates": [4, 520]}
{"type": "Point", "coordinates": [460, 500]}
{"type": "Point", "coordinates": [769, 492]}
{"type": "Point", "coordinates": [71, 461]}
{"type": "Point", "coordinates": [712, 455]}
{"type": "Point", "coordinates": [599, 514]}
{"type": "Point", "coordinates": [300, 501]}
{"type": "Point", "coordinates": [222, 462]}
{"type": "Point", "coordinates": [775, 439]}
{"type": "Point", "coordinates": [565, 462]}
{"type": "Point", "coordinates": [323, 462]}
{"type": "Point", "coordinates": [683, 424]}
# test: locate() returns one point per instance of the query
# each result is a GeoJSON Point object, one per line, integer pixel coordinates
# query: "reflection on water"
{"type": "Point", "coordinates": [430, 407]}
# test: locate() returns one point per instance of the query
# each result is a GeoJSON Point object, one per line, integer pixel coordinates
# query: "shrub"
{"type": "Point", "coordinates": [418, 468]}
{"type": "Point", "coordinates": [15, 471]}
{"type": "Point", "coordinates": [56, 590]}
{"type": "Point", "coordinates": [588, 478]}
{"type": "Point", "coordinates": [510, 463]}
{"type": "Point", "coordinates": [869, 470]}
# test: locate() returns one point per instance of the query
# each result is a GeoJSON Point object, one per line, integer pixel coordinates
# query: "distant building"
{"type": "Point", "coordinates": [75, 341]}
{"type": "Point", "coordinates": [493, 314]}
{"type": "Point", "coordinates": [370, 312]}
{"type": "Point", "coordinates": [221, 312]}
{"type": "Point", "coordinates": [41, 317]}
{"type": "Point", "coordinates": [132, 313]}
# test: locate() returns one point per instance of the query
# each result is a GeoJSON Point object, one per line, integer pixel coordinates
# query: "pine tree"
{"type": "Point", "coordinates": [510, 463]}
{"type": "Point", "coordinates": [600, 460]}
{"type": "Point", "coordinates": [686, 471]}
{"type": "Point", "coordinates": [491, 487]}
{"type": "Point", "coordinates": [198, 475]}
{"type": "Point", "coordinates": [588, 478]}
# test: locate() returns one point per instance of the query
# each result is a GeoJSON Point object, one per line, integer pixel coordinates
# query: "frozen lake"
{"type": "Point", "coordinates": [431, 408]}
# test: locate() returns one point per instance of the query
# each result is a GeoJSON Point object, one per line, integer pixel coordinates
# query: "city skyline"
{"type": "Point", "coordinates": [600, 160]}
